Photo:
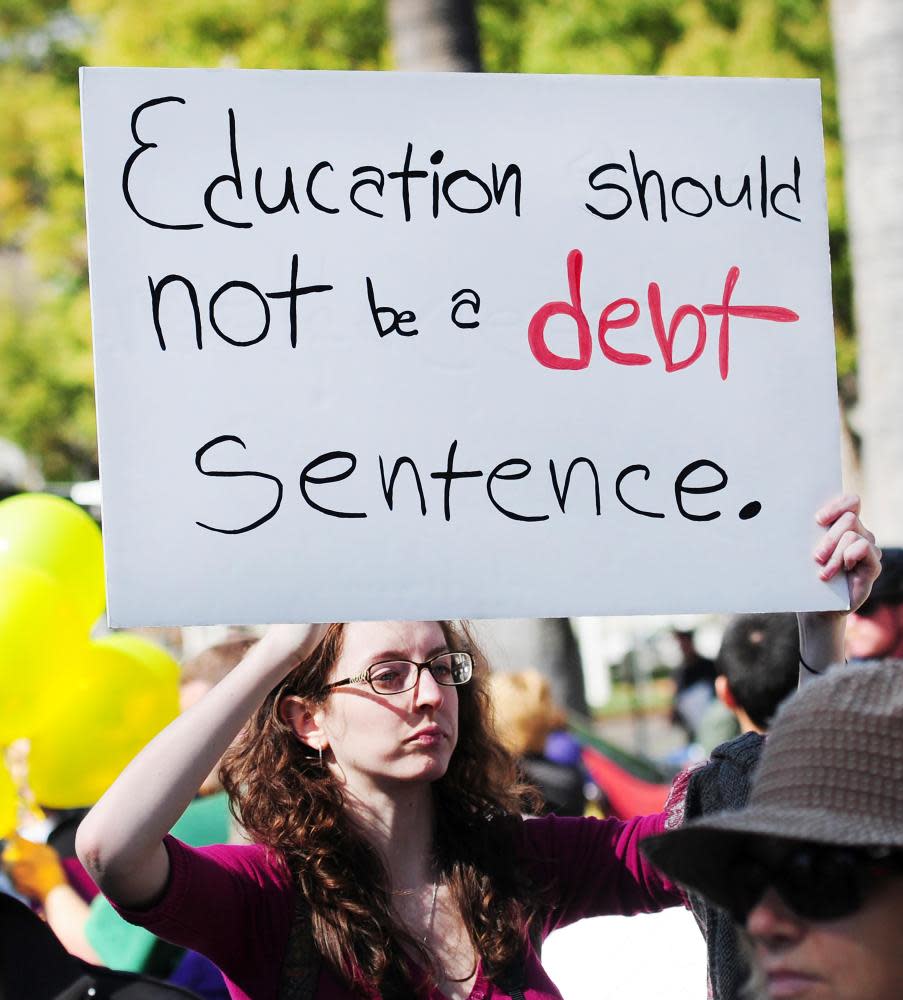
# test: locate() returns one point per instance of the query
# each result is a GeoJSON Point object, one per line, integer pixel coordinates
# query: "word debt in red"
{"type": "Point", "coordinates": [623, 313]}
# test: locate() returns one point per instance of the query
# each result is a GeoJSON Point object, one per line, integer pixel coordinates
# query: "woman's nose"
{"type": "Point", "coordinates": [427, 691]}
{"type": "Point", "coordinates": [772, 921]}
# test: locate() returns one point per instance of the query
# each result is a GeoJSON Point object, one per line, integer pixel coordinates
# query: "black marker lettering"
{"type": "Point", "coordinates": [745, 193]}
{"type": "Point", "coordinates": [794, 188]}
{"type": "Point", "coordinates": [468, 298]}
{"type": "Point", "coordinates": [450, 475]}
{"type": "Point", "coordinates": [460, 175]}
{"type": "Point", "coordinates": [406, 174]}
{"type": "Point", "coordinates": [628, 201]}
{"type": "Point", "coordinates": [680, 488]}
{"type": "Point", "coordinates": [524, 468]}
{"type": "Point", "coordinates": [379, 182]}
{"type": "Point", "coordinates": [260, 298]}
{"type": "Point", "coordinates": [512, 171]}
{"type": "Point", "coordinates": [561, 495]}
{"type": "Point", "coordinates": [293, 293]}
{"type": "Point", "coordinates": [307, 477]}
{"type": "Point", "coordinates": [389, 490]}
{"type": "Point", "coordinates": [288, 193]}
{"type": "Point", "coordinates": [641, 183]}
{"type": "Point", "coordinates": [310, 189]}
{"type": "Point", "coordinates": [691, 182]}
{"type": "Point", "coordinates": [231, 475]}
{"type": "Point", "coordinates": [156, 291]}
{"type": "Point", "coordinates": [397, 318]}
{"type": "Point", "coordinates": [130, 162]}
{"type": "Point", "coordinates": [622, 475]}
{"type": "Point", "coordinates": [234, 179]}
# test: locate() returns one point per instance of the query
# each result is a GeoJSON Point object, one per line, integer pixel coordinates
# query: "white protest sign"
{"type": "Point", "coordinates": [420, 346]}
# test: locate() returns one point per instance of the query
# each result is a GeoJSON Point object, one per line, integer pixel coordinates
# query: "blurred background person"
{"type": "Point", "coordinates": [694, 685]}
{"type": "Point", "coordinates": [875, 631]}
{"type": "Point", "coordinates": [757, 668]}
{"type": "Point", "coordinates": [527, 718]}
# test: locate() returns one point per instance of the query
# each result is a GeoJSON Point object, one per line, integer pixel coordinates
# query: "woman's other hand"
{"type": "Point", "coordinates": [849, 546]}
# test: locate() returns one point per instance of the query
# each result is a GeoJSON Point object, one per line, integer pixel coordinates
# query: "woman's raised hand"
{"type": "Point", "coordinates": [120, 841]}
{"type": "Point", "coordinates": [847, 545]}
{"type": "Point", "coordinates": [290, 644]}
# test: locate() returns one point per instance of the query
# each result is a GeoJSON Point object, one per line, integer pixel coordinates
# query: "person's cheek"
{"type": "Point", "coordinates": [868, 637]}
{"type": "Point", "coordinates": [450, 710]}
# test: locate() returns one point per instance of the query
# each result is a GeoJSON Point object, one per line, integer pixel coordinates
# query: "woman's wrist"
{"type": "Point", "coordinates": [821, 641]}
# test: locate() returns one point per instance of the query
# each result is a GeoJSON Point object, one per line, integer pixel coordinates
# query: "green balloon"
{"type": "Point", "coordinates": [57, 537]}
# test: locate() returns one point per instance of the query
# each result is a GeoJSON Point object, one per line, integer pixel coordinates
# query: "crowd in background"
{"type": "Point", "coordinates": [781, 874]}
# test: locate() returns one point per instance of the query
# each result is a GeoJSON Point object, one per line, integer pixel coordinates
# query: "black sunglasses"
{"type": "Point", "coordinates": [818, 882]}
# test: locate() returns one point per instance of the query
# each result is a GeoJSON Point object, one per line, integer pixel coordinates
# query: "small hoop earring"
{"type": "Point", "coordinates": [321, 756]}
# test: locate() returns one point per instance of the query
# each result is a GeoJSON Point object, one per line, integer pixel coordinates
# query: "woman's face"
{"type": "Point", "coordinates": [859, 957]}
{"type": "Point", "coordinates": [379, 739]}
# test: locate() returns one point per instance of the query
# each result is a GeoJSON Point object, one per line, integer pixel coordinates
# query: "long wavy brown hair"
{"type": "Point", "coordinates": [287, 801]}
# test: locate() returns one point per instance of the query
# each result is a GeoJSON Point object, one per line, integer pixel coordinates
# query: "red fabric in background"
{"type": "Point", "coordinates": [627, 795]}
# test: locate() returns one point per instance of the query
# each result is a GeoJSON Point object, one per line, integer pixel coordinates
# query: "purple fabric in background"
{"type": "Point", "coordinates": [562, 748]}
{"type": "Point", "coordinates": [195, 972]}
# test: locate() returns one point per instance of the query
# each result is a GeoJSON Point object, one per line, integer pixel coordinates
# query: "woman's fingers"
{"type": "Point", "coordinates": [860, 559]}
{"type": "Point", "coordinates": [832, 510]}
{"type": "Point", "coordinates": [845, 522]}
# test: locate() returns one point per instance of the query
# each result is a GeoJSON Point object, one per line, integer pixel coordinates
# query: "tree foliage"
{"type": "Point", "coordinates": [46, 383]}
{"type": "Point", "coordinates": [45, 356]}
{"type": "Point", "coordinates": [779, 38]}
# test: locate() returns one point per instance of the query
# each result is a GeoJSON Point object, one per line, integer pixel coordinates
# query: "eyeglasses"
{"type": "Point", "coordinates": [818, 882]}
{"type": "Point", "coordinates": [398, 676]}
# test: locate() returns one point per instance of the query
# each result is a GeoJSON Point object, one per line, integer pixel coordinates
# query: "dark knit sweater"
{"type": "Point", "coordinates": [720, 784]}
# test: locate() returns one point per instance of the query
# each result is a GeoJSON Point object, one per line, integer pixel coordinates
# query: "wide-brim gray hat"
{"type": "Point", "coordinates": [831, 773]}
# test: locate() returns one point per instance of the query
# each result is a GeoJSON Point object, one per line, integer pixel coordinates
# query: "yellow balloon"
{"type": "Point", "coordinates": [40, 634]}
{"type": "Point", "coordinates": [111, 707]}
{"type": "Point", "coordinates": [9, 804]}
{"type": "Point", "coordinates": [149, 653]}
{"type": "Point", "coordinates": [56, 536]}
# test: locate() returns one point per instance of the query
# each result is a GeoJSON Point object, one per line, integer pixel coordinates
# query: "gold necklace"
{"type": "Point", "coordinates": [430, 919]}
{"type": "Point", "coordinates": [429, 923]}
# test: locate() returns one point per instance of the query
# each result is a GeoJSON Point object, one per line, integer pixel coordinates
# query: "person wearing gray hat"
{"type": "Point", "coordinates": [813, 864]}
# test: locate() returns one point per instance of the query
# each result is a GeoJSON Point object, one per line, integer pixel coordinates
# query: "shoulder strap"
{"type": "Point", "coordinates": [301, 968]}
{"type": "Point", "coordinates": [513, 979]}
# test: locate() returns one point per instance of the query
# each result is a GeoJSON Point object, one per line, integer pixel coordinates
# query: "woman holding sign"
{"type": "Point", "coordinates": [389, 856]}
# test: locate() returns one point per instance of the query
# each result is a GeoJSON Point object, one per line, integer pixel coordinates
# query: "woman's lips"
{"type": "Point", "coordinates": [785, 984]}
{"type": "Point", "coordinates": [427, 737]}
